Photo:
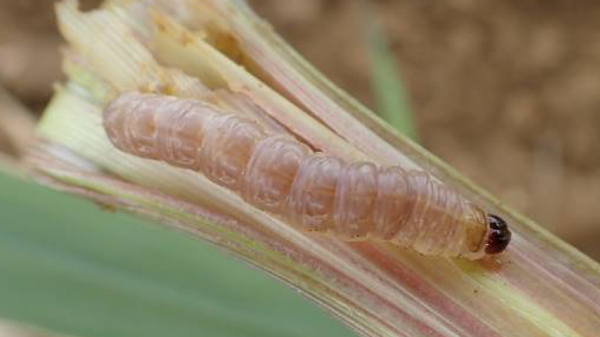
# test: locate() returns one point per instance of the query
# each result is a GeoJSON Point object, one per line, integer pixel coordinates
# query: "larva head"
{"type": "Point", "coordinates": [498, 235]}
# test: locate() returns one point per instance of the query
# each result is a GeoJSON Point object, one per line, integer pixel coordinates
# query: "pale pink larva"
{"type": "Point", "coordinates": [315, 192]}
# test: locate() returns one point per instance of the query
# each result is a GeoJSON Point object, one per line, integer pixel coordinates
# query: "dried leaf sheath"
{"type": "Point", "coordinates": [405, 294]}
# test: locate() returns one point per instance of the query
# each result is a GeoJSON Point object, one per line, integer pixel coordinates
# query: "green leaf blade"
{"type": "Point", "coordinates": [387, 87]}
{"type": "Point", "coordinates": [69, 267]}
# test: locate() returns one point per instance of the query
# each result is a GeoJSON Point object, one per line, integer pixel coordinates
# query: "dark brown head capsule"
{"type": "Point", "coordinates": [499, 236]}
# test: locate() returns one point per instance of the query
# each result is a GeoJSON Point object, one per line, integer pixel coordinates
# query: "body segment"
{"type": "Point", "coordinates": [315, 192]}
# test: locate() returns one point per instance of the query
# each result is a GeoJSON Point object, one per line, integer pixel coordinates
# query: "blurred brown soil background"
{"type": "Point", "coordinates": [508, 92]}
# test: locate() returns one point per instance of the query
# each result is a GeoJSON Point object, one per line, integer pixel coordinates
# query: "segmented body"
{"type": "Point", "coordinates": [315, 192]}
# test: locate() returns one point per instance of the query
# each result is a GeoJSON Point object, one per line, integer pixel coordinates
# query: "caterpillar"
{"type": "Point", "coordinates": [315, 192]}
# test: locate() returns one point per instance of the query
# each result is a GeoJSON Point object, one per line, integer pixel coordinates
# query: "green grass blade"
{"type": "Point", "coordinates": [388, 89]}
{"type": "Point", "coordinates": [67, 266]}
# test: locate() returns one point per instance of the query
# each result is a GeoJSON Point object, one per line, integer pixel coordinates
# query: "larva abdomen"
{"type": "Point", "coordinates": [315, 192]}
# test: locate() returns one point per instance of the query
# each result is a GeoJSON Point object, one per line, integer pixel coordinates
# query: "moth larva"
{"type": "Point", "coordinates": [315, 192]}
